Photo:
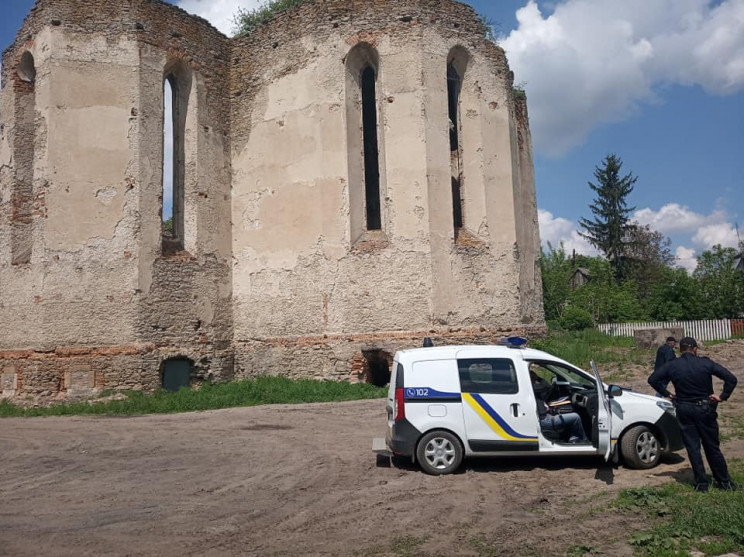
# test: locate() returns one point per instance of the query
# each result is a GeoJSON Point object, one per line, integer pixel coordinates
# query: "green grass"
{"type": "Point", "coordinates": [580, 347]}
{"type": "Point", "coordinates": [252, 392]}
{"type": "Point", "coordinates": [711, 523]}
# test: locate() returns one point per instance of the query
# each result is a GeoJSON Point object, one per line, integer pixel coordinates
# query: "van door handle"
{"type": "Point", "coordinates": [515, 410]}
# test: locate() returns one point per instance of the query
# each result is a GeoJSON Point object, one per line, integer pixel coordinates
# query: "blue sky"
{"type": "Point", "coordinates": [658, 82]}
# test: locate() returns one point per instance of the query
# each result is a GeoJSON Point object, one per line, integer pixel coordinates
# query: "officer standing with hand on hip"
{"type": "Point", "coordinates": [696, 405]}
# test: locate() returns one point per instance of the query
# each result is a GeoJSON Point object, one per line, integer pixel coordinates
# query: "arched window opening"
{"type": "Point", "coordinates": [365, 144]}
{"type": "Point", "coordinates": [454, 86]}
{"type": "Point", "coordinates": [371, 152]}
{"type": "Point", "coordinates": [176, 88]}
{"type": "Point", "coordinates": [23, 156]}
{"type": "Point", "coordinates": [168, 156]}
{"type": "Point", "coordinates": [176, 374]}
{"type": "Point", "coordinates": [27, 68]}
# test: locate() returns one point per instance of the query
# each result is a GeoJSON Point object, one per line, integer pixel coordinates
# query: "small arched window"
{"type": "Point", "coordinates": [27, 68]}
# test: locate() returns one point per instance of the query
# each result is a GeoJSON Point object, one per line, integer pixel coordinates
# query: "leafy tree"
{"type": "Point", "coordinates": [556, 273]}
{"type": "Point", "coordinates": [246, 21]}
{"type": "Point", "coordinates": [721, 287]}
{"type": "Point", "coordinates": [675, 297]}
{"type": "Point", "coordinates": [606, 300]}
{"type": "Point", "coordinates": [647, 256]}
{"type": "Point", "coordinates": [608, 230]}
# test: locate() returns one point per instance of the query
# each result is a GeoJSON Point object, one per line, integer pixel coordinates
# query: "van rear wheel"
{"type": "Point", "coordinates": [640, 448]}
{"type": "Point", "coordinates": [439, 452]}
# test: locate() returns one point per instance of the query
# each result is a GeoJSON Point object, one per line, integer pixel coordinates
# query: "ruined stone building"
{"type": "Point", "coordinates": [351, 177]}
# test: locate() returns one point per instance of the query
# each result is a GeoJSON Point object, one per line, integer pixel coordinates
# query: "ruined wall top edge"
{"type": "Point", "coordinates": [327, 17]}
{"type": "Point", "coordinates": [152, 22]}
{"type": "Point", "coordinates": [157, 22]}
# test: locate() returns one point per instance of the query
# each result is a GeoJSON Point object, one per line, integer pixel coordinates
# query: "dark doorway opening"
{"type": "Point", "coordinates": [377, 367]}
{"type": "Point", "coordinates": [176, 374]}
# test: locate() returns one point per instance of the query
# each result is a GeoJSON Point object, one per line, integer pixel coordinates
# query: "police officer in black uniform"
{"type": "Point", "coordinates": [696, 406]}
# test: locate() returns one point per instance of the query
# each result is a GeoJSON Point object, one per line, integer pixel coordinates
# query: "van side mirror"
{"type": "Point", "coordinates": [614, 391]}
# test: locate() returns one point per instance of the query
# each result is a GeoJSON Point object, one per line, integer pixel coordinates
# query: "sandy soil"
{"type": "Point", "coordinates": [301, 480]}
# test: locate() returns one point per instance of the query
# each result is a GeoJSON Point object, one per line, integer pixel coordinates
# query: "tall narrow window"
{"type": "Point", "coordinates": [175, 103]}
{"type": "Point", "coordinates": [365, 144]}
{"type": "Point", "coordinates": [371, 152]}
{"type": "Point", "coordinates": [454, 85]}
{"type": "Point", "coordinates": [23, 158]}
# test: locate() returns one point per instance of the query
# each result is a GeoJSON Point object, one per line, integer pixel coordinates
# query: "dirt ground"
{"type": "Point", "coordinates": [302, 480]}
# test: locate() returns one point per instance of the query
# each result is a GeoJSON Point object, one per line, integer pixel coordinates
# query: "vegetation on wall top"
{"type": "Point", "coordinates": [246, 21]}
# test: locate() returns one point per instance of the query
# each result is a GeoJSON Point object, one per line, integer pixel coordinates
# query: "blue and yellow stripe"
{"type": "Point", "coordinates": [494, 421]}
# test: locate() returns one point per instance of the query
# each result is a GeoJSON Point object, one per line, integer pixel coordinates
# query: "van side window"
{"type": "Point", "coordinates": [399, 376]}
{"type": "Point", "coordinates": [488, 376]}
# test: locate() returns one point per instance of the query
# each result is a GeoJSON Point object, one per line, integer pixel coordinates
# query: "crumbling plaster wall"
{"type": "Point", "coordinates": [293, 244]}
{"type": "Point", "coordinates": [97, 275]}
{"type": "Point", "coordinates": [276, 276]}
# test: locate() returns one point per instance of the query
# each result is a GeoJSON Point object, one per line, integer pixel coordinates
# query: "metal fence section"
{"type": "Point", "coordinates": [708, 329]}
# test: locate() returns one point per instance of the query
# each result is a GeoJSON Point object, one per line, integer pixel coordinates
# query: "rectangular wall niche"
{"type": "Point", "coordinates": [80, 380]}
{"type": "Point", "coordinates": [8, 382]}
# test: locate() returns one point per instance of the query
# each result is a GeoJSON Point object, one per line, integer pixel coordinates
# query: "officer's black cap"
{"type": "Point", "coordinates": [687, 342]}
{"type": "Point", "coordinates": [671, 339]}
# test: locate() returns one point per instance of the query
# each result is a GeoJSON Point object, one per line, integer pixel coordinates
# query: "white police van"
{"type": "Point", "coordinates": [447, 403]}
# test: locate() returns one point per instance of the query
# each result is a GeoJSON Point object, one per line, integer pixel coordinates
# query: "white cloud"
{"type": "Point", "coordinates": [722, 233]}
{"type": "Point", "coordinates": [674, 218]}
{"type": "Point", "coordinates": [218, 12]}
{"type": "Point", "coordinates": [686, 258]}
{"type": "Point", "coordinates": [595, 61]}
{"type": "Point", "coordinates": [557, 231]}
{"type": "Point", "coordinates": [706, 230]}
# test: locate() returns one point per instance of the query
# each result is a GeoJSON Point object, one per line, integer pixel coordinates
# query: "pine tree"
{"type": "Point", "coordinates": [609, 230]}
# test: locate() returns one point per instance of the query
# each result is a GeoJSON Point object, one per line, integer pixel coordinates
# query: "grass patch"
{"type": "Point", "coordinates": [712, 523]}
{"type": "Point", "coordinates": [580, 347]}
{"type": "Point", "coordinates": [251, 392]}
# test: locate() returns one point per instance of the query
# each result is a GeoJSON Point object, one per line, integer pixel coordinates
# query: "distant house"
{"type": "Point", "coordinates": [580, 277]}
{"type": "Point", "coordinates": [739, 262]}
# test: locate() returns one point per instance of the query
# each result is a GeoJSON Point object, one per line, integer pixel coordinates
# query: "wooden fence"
{"type": "Point", "coordinates": [709, 329]}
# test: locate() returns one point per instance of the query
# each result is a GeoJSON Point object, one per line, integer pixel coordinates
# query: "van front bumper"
{"type": "Point", "coordinates": [402, 438]}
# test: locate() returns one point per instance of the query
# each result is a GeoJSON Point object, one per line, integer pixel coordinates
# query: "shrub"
{"type": "Point", "coordinates": [576, 319]}
{"type": "Point", "coordinates": [247, 20]}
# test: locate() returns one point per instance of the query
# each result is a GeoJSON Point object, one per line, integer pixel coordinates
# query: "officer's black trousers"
{"type": "Point", "coordinates": [699, 423]}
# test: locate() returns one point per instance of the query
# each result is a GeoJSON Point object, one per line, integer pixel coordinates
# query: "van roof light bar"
{"type": "Point", "coordinates": [513, 342]}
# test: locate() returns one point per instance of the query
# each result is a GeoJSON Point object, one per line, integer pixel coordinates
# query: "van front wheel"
{"type": "Point", "coordinates": [439, 452]}
{"type": "Point", "coordinates": [640, 448]}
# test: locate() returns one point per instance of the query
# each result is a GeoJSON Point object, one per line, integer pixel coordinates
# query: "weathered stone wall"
{"type": "Point", "coordinates": [97, 276]}
{"type": "Point", "coordinates": [277, 272]}
{"type": "Point", "coordinates": [413, 273]}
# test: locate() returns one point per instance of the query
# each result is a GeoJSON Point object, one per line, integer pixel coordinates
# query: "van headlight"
{"type": "Point", "coordinates": [667, 406]}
